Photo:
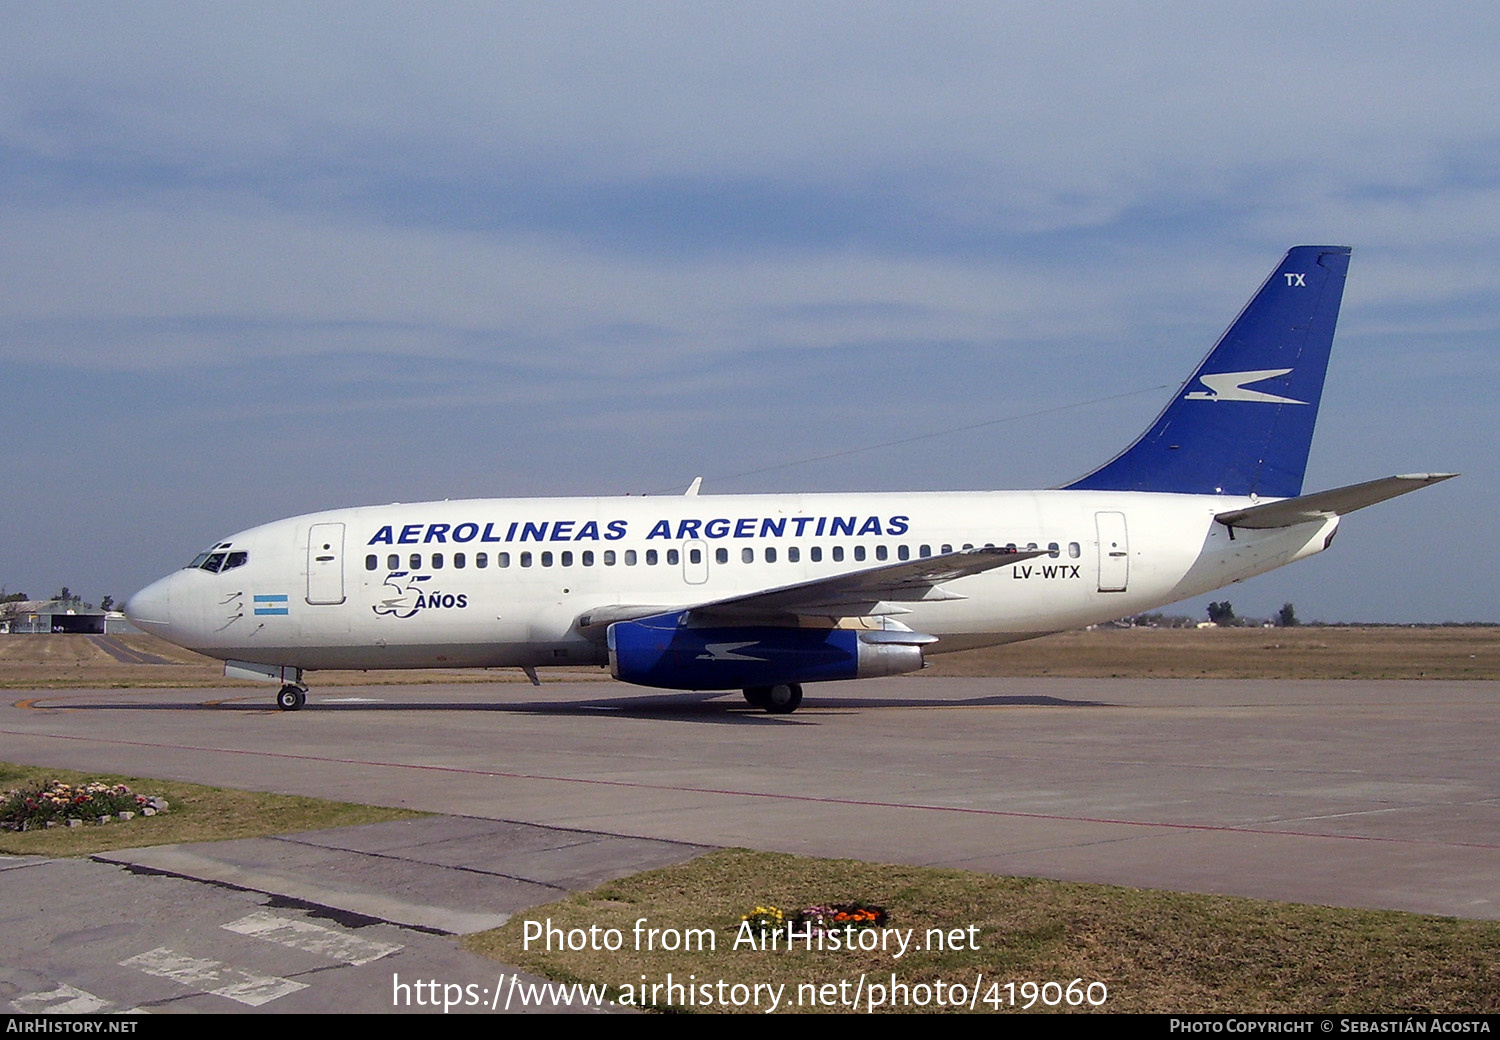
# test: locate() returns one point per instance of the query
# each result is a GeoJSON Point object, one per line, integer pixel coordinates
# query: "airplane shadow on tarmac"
{"type": "Point", "coordinates": [714, 706]}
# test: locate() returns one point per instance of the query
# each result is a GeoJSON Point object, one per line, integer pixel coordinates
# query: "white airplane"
{"type": "Point", "coordinates": [763, 593]}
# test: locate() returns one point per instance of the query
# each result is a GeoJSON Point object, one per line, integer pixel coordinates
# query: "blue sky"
{"type": "Point", "coordinates": [262, 259]}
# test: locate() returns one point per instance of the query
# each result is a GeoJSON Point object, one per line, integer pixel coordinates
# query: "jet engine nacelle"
{"type": "Point", "coordinates": [664, 653]}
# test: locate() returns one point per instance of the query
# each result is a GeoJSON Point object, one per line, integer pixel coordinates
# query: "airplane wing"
{"type": "Point", "coordinates": [875, 590]}
{"type": "Point", "coordinates": [1319, 506]}
{"type": "Point", "coordinates": [866, 591]}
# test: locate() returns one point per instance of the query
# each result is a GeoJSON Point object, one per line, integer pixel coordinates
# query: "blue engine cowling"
{"type": "Point", "coordinates": [662, 652]}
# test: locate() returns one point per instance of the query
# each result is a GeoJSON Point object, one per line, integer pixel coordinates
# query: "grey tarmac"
{"type": "Point", "coordinates": [1351, 793]}
{"type": "Point", "coordinates": [91, 937]}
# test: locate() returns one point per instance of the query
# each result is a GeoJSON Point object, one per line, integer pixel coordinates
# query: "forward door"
{"type": "Point", "coordinates": [325, 564]}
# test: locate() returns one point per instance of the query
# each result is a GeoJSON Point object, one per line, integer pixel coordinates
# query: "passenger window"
{"type": "Point", "coordinates": [437, 561]}
{"type": "Point", "coordinates": [673, 557]}
{"type": "Point", "coordinates": [609, 557]}
{"type": "Point", "coordinates": [924, 551]}
{"type": "Point", "coordinates": [771, 554]}
{"type": "Point", "coordinates": [721, 555]}
{"type": "Point", "coordinates": [1053, 552]}
{"type": "Point", "coordinates": [547, 558]}
{"type": "Point", "coordinates": [416, 561]}
{"type": "Point", "coordinates": [815, 554]}
{"type": "Point", "coordinates": [903, 552]}
{"type": "Point", "coordinates": [567, 559]}
{"type": "Point", "coordinates": [588, 557]}
{"type": "Point", "coordinates": [881, 552]}
{"type": "Point", "coordinates": [1073, 550]}
{"type": "Point", "coordinates": [695, 556]}
{"type": "Point", "coordinates": [459, 560]}
{"type": "Point", "coordinates": [502, 559]}
{"type": "Point", "coordinates": [793, 554]}
{"type": "Point", "coordinates": [946, 548]}
{"type": "Point", "coordinates": [859, 553]}
{"type": "Point", "coordinates": [747, 555]}
{"type": "Point", "coordinates": [630, 557]}
{"type": "Point", "coordinates": [481, 560]}
{"type": "Point", "coordinates": [838, 554]}
{"type": "Point", "coordinates": [393, 562]}
{"type": "Point", "coordinates": [651, 557]}
{"type": "Point", "coordinates": [526, 559]}
{"type": "Point", "coordinates": [371, 562]}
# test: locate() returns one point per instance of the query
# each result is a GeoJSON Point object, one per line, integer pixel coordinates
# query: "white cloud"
{"type": "Point", "coordinates": [581, 218]}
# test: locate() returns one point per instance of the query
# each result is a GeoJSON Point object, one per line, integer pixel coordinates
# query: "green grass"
{"type": "Point", "coordinates": [1155, 951]}
{"type": "Point", "coordinates": [197, 813]}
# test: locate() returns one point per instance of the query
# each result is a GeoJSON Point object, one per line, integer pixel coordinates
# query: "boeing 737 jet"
{"type": "Point", "coordinates": [763, 593]}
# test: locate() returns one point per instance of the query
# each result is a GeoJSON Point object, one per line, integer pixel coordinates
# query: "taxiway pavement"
{"type": "Point", "coordinates": [1352, 793]}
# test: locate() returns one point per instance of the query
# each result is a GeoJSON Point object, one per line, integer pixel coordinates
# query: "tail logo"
{"type": "Point", "coordinates": [1230, 386]}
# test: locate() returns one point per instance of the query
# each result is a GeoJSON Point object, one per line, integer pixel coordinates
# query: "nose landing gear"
{"type": "Point", "coordinates": [291, 697]}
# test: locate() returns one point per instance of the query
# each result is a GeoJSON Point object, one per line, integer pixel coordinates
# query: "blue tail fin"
{"type": "Point", "coordinates": [1243, 423]}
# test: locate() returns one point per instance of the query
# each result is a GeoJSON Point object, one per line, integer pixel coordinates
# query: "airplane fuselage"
{"type": "Point", "coordinates": [505, 582]}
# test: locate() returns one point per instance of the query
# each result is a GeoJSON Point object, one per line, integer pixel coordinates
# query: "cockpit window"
{"type": "Point", "coordinates": [217, 560]}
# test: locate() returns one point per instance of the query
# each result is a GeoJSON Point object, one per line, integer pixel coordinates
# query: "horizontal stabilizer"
{"type": "Point", "coordinates": [1307, 508]}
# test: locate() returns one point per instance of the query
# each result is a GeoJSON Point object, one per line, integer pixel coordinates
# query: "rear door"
{"type": "Point", "coordinates": [1114, 552]}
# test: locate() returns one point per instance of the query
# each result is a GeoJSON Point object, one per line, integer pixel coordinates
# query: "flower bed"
{"type": "Point", "coordinates": [815, 920]}
{"type": "Point", "coordinates": [836, 918]}
{"type": "Point", "coordinates": [50, 803]}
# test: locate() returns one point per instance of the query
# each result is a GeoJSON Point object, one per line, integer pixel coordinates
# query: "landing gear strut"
{"type": "Point", "coordinates": [781, 699]}
{"type": "Point", "coordinates": [291, 697]}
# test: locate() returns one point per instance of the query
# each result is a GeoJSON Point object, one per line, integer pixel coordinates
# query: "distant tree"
{"type": "Point", "coordinates": [67, 595]}
{"type": "Point", "coordinates": [13, 597]}
{"type": "Point", "coordinates": [1221, 613]}
{"type": "Point", "coordinates": [1286, 617]}
{"type": "Point", "coordinates": [108, 603]}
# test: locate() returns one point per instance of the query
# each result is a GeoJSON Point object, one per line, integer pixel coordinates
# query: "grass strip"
{"type": "Point", "coordinates": [1154, 951]}
{"type": "Point", "coordinates": [197, 813]}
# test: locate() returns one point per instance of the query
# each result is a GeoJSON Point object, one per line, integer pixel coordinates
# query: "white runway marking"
{"type": "Point", "coordinates": [212, 976]}
{"type": "Point", "coordinates": [64, 1000]}
{"type": "Point", "coordinates": [311, 938]}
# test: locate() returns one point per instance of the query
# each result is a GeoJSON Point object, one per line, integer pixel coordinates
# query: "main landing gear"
{"type": "Point", "coordinates": [782, 699]}
{"type": "Point", "coordinates": [291, 697]}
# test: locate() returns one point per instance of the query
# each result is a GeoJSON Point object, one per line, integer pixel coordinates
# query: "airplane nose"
{"type": "Point", "coordinates": [151, 608]}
